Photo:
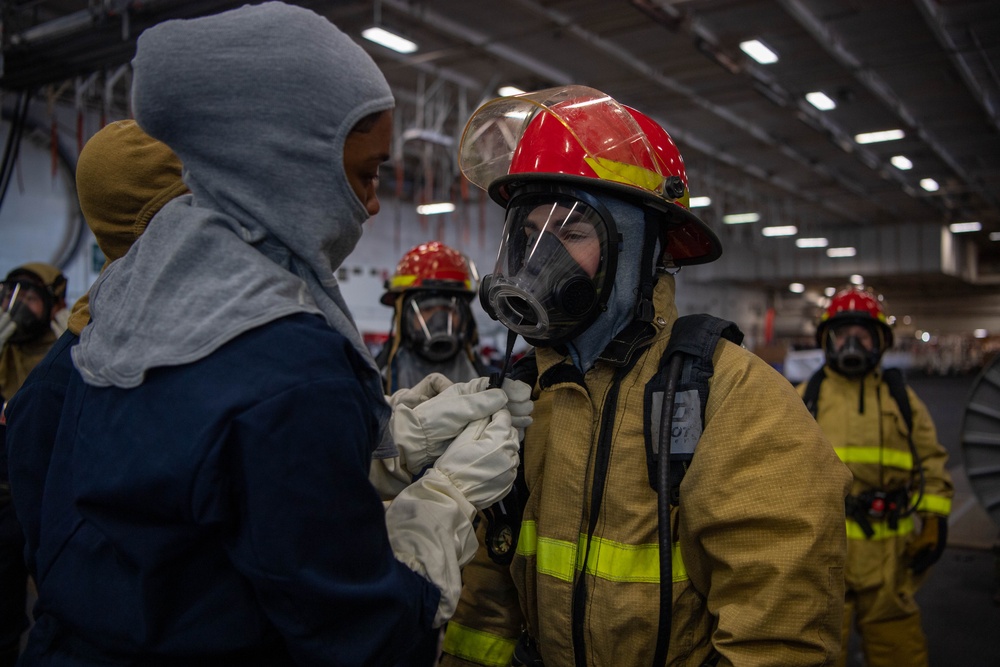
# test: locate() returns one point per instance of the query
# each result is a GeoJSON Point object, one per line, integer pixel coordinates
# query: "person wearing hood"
{"type": "Point", "coordinates": [617, 562]}
{"type": "Point", "coordinates": [898, 507]}
{"type": "Point", "coordinates": [32, 315]}
{"type": "Point", "coordinates": [207, 499]}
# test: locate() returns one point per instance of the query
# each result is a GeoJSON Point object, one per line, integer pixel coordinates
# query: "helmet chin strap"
{"type": "Point", "coordinates": [644, 310]}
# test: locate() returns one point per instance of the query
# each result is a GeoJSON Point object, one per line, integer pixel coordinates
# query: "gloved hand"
{"type": "Point", "coordinates": [482, 460]}
{"type": "Point", "coordinates": [926, 548]}
{"type": "Point", "coordinates": [430, 521]}
{"type": "Point", "coordinates": [428, 416]}
{"type": "Point", "coordinates": [519, 404]}
{"type": "Point", "coordinates": [7, 327]}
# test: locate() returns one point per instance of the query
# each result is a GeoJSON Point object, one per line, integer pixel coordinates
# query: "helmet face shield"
{"type": "Point", "coordinates": [435, 324]}
{"type": "Point", "coordinates": [555, 266]}
{"type": "Point", "coordinates": [854, 347]}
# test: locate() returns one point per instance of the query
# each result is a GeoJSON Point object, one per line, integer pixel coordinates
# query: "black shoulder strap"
{"type": "Point", "coordinates": [897, 389]}
{"type": "Point", "coordinates": [694, 338]}
{"type": "Point", "coordinates": [811, 395]}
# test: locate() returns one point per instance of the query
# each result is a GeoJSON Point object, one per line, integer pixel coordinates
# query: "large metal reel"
{"type": "Point", "coordinates": [981, 438]}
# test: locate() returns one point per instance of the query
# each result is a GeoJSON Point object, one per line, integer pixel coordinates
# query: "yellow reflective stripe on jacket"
{"type": "Point", "coordinates": [881, 528]}
{"type": "Point", "coordinates": [609, 560]}
{"type": "Point", "coordinates": [478, 646]}
{"type": "Point", "coordinates": [888, 457]}
{"type": "Point", "coordinates": [937, 504]}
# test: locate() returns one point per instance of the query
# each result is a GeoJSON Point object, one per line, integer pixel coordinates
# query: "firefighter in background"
{"type": "Point", "coordinates": [433, 329]}
{"type": "Point", "coordinates": [32, 316]}
{"type": "Point", "coordinates": [597, 223]}
{"type": "Point", "coordinates": [897, 511]}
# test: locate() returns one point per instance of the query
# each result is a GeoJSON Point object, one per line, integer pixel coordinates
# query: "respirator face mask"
{"type": "Point", "coordinates": [555, 265]}
{"type": "Point", "coordinates": [847, 351]}
{"type": "Point", "coordinates": [30, 308]}
{"type": "Point", "coordinates": [436, 325]}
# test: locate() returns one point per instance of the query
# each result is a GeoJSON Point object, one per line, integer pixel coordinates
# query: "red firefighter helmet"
{"type": "Point", "coordinates": [854, 305]}
{"type": "Point", "coordinates": [582, 136]}
{"type": "Point", "coordinates": [431, 265]}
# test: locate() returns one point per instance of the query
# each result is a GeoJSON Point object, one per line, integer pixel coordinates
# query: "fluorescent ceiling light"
{"type": "Point", "coordinates": [820, 101]}
{"type": "Point", "coordinates": [796, 288]}
{"type": "Point", "coordinates": [962, 227]}
{"type": "Point", "coordinates": [830, 291]}
{"type": "Point", "coordinates": [929, 184]}
{"type": "Point", "coordinates": [812, 243]}
{"type": "Point", "coordinates": [901, 162]}
{"type": "Point", "coordinates": [389, 40]}
{"type": "Point", "coordinates": [431, 209]}
{"type": "Point", "coordinates": [858, 279]}
{"type": "Point", "coordinates": [841, 252]}
{"type": "Point", "coordinates": [740, 218]}
{"type": "Point", "coordinates": [980, 333]}
{"type": "Point", "coordinates": [875, 137]}
{"type": "Point", "coordinates": [700, 202]}
{"type": "Point", "coordinates": [994, 236]}
{"type": "Point", "coordinates": [781, 230]}
{"type": "Point", "coordinates": [756, 50]}
{"type": "Point", "coordinates": [510, 91]}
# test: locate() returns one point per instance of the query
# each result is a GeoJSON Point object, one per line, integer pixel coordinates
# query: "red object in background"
{"type": "Point", "coordinates": [769, 326]}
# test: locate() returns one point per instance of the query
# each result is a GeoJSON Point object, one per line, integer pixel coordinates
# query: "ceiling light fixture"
{"type": "Point", "coordinates": [964, 227]}
{"type": "Point", "coordinates": [857, 279]}
{"type": "Point", "coordinates": [994, 236]}
{"type": "Point", "coordinates": [796, 288]}
{"type": "Point", "coordinates": [509, 91]}
{"type": "Point", "coordinates": [901, 162]}
{"type": "Point", "coordinates": [740, 218]}
{"type": "Point", "coordinates": [875, 137]}
{"type": "Point", "coordinates": [389, 40]}
{"type": "Point", "coordinates": [820, 101]}
{"type": "Point", "coordinates": [830, 291]}
{"type": "Point", "coordinates": [700, 202]}
{"type": "Point", "coordinates": [756, 50]}
{"type": "Point", "coordinates": [433, 209]}
{"type": "Point", "coordinates": [841, 252]}
{"type": "Point", "coordinates": [780, 230]}
{"type": "Point", "coordinates": [812, 243]}
{"type": "Point", "coordinates": [929, 184]}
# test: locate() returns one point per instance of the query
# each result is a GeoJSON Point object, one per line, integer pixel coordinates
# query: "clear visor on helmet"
{"type": "Point", "coordinates": [607, 133]}
{"type": "Point", "coordinates": [436, 324]}
{"type": "Point", "coordinates": [552, 267]}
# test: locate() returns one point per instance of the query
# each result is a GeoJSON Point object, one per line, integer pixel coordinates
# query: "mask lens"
{"type": "Point", "coordinates": [435, 324]}
{"type": "Point", "coordinates": [551, 267]}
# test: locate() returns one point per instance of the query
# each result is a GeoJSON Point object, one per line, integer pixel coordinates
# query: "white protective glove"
{"type": "Point", "coordinates": [7, 327]}
{"type": "Point", "coordinates": [428, 416]}
{"type": "Point", "coordinates": [519, 404]}
{"type": "Point", "coordinates": [430, 521]}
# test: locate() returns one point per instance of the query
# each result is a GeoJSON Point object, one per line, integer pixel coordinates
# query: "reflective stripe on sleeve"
{"type": "Point", "coordinates": [477, 646]}
{"type": "Point", "coordinates": [936, 504]}
{"type": "Point", "coordinates": [881, 528]}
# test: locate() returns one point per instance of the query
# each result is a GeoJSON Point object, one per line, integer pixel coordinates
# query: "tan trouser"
{"type": "Point", "coordinates": [891, 634]}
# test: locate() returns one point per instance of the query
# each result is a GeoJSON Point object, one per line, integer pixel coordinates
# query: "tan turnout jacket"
{"type": "Point", "coordinates": [760, 546]}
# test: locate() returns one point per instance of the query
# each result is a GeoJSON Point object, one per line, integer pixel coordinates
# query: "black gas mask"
{"type": "Point", "coordinates": [21, 299]}
{"type": "Point", "coordinates": [847, 354]}
{"type": "Point", "coordinates": [435, 325]}
{"type": "Point", "coordinates": [555, 266]}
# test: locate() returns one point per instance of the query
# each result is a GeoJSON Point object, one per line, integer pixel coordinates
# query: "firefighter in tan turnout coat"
{"type": "Point", "coordinates": [597, 220]}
